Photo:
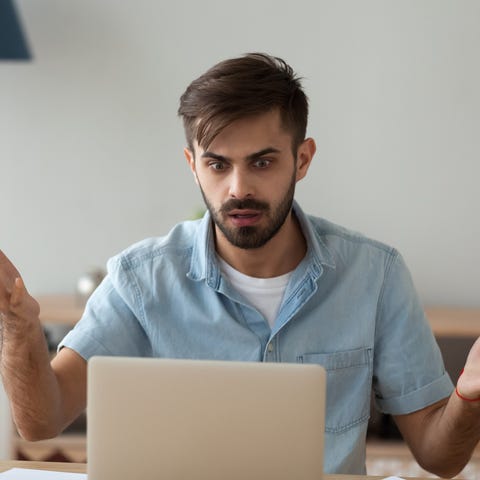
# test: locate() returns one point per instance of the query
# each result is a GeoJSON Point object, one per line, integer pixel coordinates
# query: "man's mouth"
{"type": "Point", "coordinates": [243, 213]}
{"type": "Point", "coordinates": [244, 218]}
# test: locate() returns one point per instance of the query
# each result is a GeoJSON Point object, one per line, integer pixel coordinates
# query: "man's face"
{"type": "Point", "coordinates": [238, 220]}
{"type": "Point", "coordinates": [247, 177]}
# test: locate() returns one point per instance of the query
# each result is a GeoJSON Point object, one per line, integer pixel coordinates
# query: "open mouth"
{"type": "Point", "coordinates": [243, 218]}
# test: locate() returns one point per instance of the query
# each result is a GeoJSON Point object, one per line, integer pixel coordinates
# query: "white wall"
{"type": "Point", "coordinates": [91, 149]}
{"type": "Point", "coordinates": [6, 427]}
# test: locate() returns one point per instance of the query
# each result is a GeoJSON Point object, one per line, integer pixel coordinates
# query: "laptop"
{"type": "Point", "coordinates": [151, 419]}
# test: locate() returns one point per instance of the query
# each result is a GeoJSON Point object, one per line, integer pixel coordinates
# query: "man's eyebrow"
{"type": "Point", "coordinates": [261, 153]}
{"type": "Point", "coordinates": [252, 156]}
{"type": "Point", "coordinates": [215, 156]}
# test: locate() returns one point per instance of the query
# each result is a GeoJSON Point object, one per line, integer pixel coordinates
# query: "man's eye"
{"type": "Point", "coordinates": [217, 165]}
{"type": "Point", "coordinates": [262, 163]}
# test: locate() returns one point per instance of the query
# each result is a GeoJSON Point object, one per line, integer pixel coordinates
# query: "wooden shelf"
{"type": "Point", "coordinates": [445, 321]}
{"type": "Point", "coordinates": [454, 322]}
{"type": "Point", "coordinates": [60, 309]}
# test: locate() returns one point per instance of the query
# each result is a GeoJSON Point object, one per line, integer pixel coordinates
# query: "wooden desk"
{"type": "Point", "coordinates": [82, 468]}
{"type": "Point", "coordinates": [54, 466]}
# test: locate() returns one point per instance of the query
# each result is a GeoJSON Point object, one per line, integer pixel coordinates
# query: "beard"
{"type": "Point", "coordinates": [250, 237]}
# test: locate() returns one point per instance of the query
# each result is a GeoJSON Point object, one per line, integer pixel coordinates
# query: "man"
{"type": "Point", "coordinates": [255, 279]}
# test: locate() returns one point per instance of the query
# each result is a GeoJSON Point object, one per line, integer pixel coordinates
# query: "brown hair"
{"type": "Point", "coordinates": [240, 87]}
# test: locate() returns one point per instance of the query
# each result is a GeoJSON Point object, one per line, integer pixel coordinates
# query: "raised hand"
{"type": "Point", "coordinates": [17, 306]}
{"type": "Point", "coordinates": [468, 385]}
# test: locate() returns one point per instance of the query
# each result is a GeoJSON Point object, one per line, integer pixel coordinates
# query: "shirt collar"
{"type": "Point", "coordinates": [203, 252]}
{"type": "Point", "coordinates": [317, 251]}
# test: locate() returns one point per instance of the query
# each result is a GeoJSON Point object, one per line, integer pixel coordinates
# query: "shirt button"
{"type": "Point", "coordinates": [270, 348]}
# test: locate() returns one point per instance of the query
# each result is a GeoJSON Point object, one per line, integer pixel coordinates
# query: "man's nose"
{"type": "Point", "coordinates": [241, 185]}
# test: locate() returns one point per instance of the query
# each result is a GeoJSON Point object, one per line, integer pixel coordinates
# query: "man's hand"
{"type": "Point", "coordinates": [44, 398]}
{"type": "Point", "coordinates": [468, 385]}
{"type": "Point", "coordinates": [17, 306]}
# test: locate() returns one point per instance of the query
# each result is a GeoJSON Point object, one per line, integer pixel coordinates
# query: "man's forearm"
{"type": "Point", "coordinates": [444, 440]}
{"type": "Point", "coordinates": [29, 380]}
{"type": "Point", "coordinates": [457, 432]}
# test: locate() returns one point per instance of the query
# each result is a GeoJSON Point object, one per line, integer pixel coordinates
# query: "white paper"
{"type": "Point", "coordinates": [28, 474]}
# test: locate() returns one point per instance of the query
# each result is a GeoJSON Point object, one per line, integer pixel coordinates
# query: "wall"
{"type": "Point", "coordinates": [6, 427]}
{"type": "Point", "coordinates": [91, 149]}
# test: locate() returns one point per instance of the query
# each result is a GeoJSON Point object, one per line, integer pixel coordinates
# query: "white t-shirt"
{"type": "Point", "coordinates": [265, 294]}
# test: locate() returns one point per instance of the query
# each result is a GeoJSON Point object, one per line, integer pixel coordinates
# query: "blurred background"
{"type": "Point", "coordinates": [91, 148]}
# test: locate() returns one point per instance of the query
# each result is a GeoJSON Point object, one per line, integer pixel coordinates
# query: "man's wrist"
{"type": "Point", "coordinates": [466, 399]}
{"type": "Point", "coordinates": [463, 397]}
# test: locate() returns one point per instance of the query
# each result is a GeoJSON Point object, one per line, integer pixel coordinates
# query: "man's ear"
{"type": "Point", "coordinates": [305, 154]}
{"type": "Point", "coordinates": [189, 155]}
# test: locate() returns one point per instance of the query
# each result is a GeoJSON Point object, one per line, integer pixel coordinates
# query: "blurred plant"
{"type": "Point", "coordinates": [198, 213]}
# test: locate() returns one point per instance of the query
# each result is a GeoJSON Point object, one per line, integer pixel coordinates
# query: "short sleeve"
{"type": "Point", "coordinates": [109, 326]}
{"type": "Point", "coordinates": [409, 373]}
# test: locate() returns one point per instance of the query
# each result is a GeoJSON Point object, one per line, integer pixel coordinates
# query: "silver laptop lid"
{"type": "Point", "coordinates": [204, 420]}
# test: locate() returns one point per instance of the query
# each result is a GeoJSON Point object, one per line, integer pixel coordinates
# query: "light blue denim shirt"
{"type": "Point", "coordinates": [350, 306]}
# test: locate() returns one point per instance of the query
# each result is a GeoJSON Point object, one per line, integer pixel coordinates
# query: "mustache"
{"type": "Point", "coordinates": [248, 203]}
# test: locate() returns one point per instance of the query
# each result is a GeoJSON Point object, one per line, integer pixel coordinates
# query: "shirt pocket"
{"type": "Point", "coordinates": [349, 383]}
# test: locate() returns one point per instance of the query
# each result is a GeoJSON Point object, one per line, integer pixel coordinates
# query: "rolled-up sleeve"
{"type": "Point", "coordinates": [409, 373]}
{"type": "Point", "coordinates": [108, 326]}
